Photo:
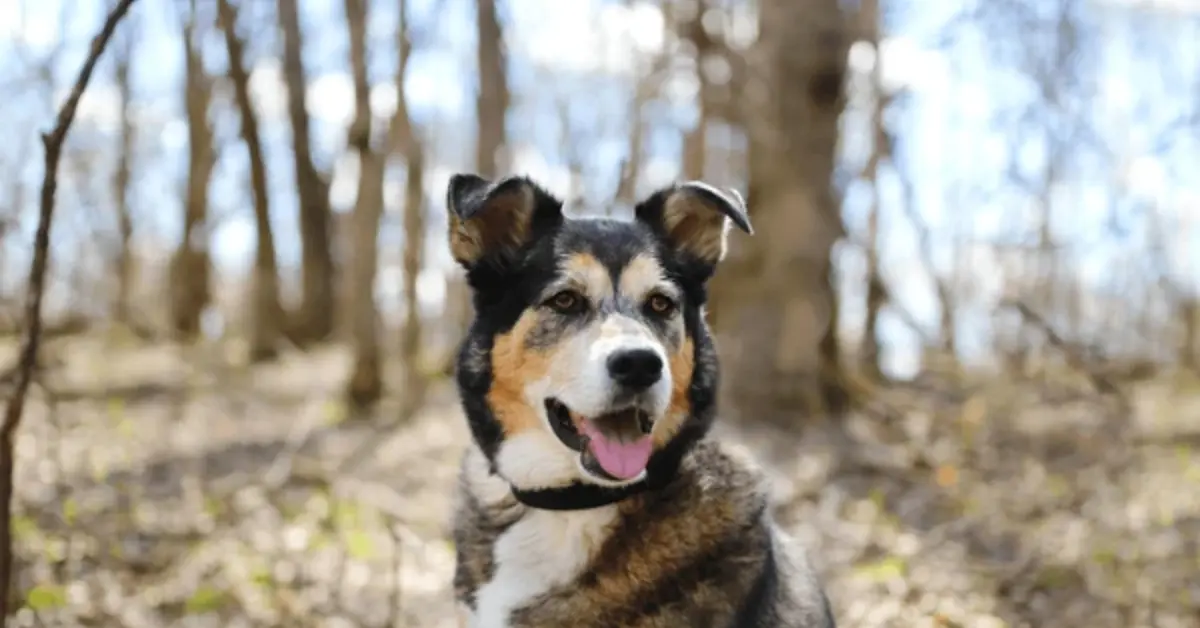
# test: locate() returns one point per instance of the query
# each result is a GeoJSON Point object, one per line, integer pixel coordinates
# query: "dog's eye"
{"type": "Point", "coordinates": [566, 302]}
{"type": "Point", "coordinates": [660, 305]}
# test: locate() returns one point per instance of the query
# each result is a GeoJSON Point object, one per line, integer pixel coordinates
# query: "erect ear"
{"type": "Point", "coordinates": [694, 218]}
{"type": "Point", "coordinates": [489, 218]}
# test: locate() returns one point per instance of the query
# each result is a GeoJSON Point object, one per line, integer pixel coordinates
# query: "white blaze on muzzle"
{"type": "Point", "coordinates": [588, 386]}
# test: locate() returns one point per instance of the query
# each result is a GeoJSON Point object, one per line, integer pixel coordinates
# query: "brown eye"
{"type": "Point", "coordinates": [566, 302]}
{"type": "Point", "coordinates": [661, 305]}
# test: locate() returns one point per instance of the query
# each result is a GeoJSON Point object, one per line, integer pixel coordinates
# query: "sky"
{"type": "Point", "coordinates": [962, 133]}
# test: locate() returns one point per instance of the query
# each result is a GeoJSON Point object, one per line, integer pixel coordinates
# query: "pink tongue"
{"type": "Point", "coordinates": [621, 460]}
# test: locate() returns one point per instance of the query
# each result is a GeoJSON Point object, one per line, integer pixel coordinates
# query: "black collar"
{"type": "Point", "coordinates": [662, 470]}
{"type": "Point", "coordinates": [578, 496]}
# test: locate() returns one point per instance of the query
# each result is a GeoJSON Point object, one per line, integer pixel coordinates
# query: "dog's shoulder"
{"type": "Point", "coordinates": [785, 591]}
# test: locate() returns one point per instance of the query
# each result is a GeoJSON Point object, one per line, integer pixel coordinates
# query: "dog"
{"type": "Point", "coordinates": [590, 495]}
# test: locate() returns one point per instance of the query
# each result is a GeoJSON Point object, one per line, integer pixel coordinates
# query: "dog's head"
{"type": "Point", "coordinates": [588, 359]}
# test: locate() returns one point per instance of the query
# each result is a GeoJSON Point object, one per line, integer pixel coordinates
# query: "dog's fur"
{"type": "Point", "coordinates": [681, 539]}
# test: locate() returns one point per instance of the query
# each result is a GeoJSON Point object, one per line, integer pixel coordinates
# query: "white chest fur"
{"type": "Point", "coordinates": [543, 550]}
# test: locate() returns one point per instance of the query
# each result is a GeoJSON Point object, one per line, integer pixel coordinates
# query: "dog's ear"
{"type": "Point", "coordinates": [490, 218]}
{"type": "Point", "coordinates": [693, 218]}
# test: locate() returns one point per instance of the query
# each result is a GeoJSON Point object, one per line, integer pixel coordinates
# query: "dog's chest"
{"type": "Point", "coordinates": [542, 551]}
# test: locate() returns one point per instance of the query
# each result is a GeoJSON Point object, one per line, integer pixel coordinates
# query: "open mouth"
{"type": "Point", "coordinates": [614, 446]}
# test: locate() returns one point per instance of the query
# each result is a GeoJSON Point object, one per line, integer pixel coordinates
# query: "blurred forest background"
{"type": "Point", "coordinates": [964, 339]}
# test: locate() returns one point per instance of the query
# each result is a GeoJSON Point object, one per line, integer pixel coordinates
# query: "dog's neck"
{"type": "Point", "coordinates": [578, 496]}
{"type": "Point", "coordinates": [663, 469]}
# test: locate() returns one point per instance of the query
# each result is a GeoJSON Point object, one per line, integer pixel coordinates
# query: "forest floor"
{"type": "Point", "coordinates": [162, 487]}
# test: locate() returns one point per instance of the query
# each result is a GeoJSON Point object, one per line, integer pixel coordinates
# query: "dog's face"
{"type": "Point", "coordinates": [588, 358]}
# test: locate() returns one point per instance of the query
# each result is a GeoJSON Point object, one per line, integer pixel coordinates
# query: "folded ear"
{"type": "Point", "coordinates": [488, 218]}
{"type": "Point", "coordinates": [694, 218]}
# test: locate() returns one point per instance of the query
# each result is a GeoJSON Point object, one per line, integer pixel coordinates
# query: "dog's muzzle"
{"type": "Point", "coordinates": [614, 446]}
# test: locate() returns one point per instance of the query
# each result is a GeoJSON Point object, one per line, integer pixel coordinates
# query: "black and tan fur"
{"type": "Point", "coordinates": [689, 541]}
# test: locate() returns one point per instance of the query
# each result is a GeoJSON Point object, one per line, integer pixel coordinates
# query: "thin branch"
{"type": "Point", "coordinates": [1071, 352]}
{"type": "Point", "coordinates": [53, 142]}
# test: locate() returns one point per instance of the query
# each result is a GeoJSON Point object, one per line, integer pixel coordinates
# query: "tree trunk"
{"type": "Point", "coordinates": [491, 103]}
{"type": "Point", "coordinates": [265, 311]}
{"type": "Point", "coordinates": [1189, 350]}
{"type": "Point", "coordinates": [775, 297]}
{"type": "Point", "coordinates": [869, 354]}
{"type": "Point", "coordinates": [946, 287]}
{"type": "Point", "coordinates": [414, 245]}
{"type": "Point", "coordinates": [695, 141]}
{"type": "Point", "coordinates": [314, 319]}
{"type": "Point", "coordinates": [645, 90]}
{"type": "Point", "coordinates": [190, 267]}
{"type": "Point", "coordinates": [366, 382]}
{"type": "Point", "coordinates": [876, 291]}
{"type": "Point", "coordinates": [403, 132]}
{"type": "Point", "coordinates": [124, 261]}
{"type": "Point", "coordinates": [491, 106]}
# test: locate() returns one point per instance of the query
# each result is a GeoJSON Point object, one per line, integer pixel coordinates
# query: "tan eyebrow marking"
{"type": "Point", "coordinates": [642, 276]}
{"type": "Point", "coordinates": [585, 273]}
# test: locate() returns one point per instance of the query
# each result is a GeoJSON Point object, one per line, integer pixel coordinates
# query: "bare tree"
{"type": "Point", "coordinates": [121, 175]}
{"type": "Point", "coordinates": [14, 191]}
{"type": "Point", "coordinates": [491, 107]}
{"type": "Point", "coordinates": [190, 272]}
{"type": "Point", "coordinates": [405, 134]}
{"type": "Point", "coordinates": [1189, 350]}
{"type": "Point", "coordinates": [314, 320]}
{"type": "Point", "coordinates": [947, 298]}
{"type": "Point", "coordinates": [645, 90]}
{"type": "Point", "coordinates": [695, 140]}
{"type": "Point", "coordinates": [53, 142]}
{"type": "Point", "coordinates": [1182, 303]}
{"type": "Point", "coordinates": [365, 385]}
{"type": "Point", "coordinates": [570, 146]}
{"type": "Point", "coordinates": [265, 310]}
{"type": "Point", "coordinates": [366, 382]}
{"type": "Point", "coordinates": [492, 101]}
{"type": "Point", "coordinates": [870, 23]}
{"type": "Point", "coordinates": [775, 297]}
{"type": "Point", "coordinates": [721, 73]}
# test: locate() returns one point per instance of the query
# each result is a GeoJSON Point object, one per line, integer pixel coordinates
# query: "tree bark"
{"type": "Point", "coordinates": [366, 381]}
{"type": "Point", "coordinates": [414, 245]}
{"type": "Point", "coordinates": [189, 274]}
{"type": "Point", "coordinates": [28, 357]}
{"type": "Point", "coordinates": [492, 101]}
{"type": "Point", "coordinates": [124, 261]}
{"type": "Point", "coordinates": [265, 311]}
{"type": "Point", "coordinates": [695, 141]}
{"type": "Point", "coordinates": [646, 89]}
{"type": "Point", "coordinates": [313, 321]}
{"type": "Point", "coordinates": [1189, 351]}
{"type": "Point", "coordinates": [491, 107]}
{"type": "Point", "coordinates": [403, 132]}
{"type": "Point", "coordinates": [775, 299]}
{"type": "Point", "coordinates": [869, 356]}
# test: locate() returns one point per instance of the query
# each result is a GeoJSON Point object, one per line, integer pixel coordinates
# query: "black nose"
{"type": "Point", "coordinates": [635, 369]}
